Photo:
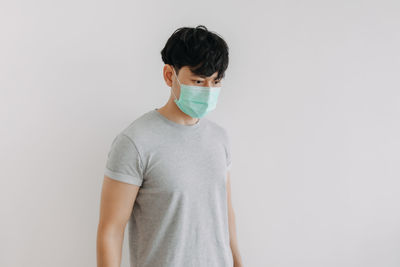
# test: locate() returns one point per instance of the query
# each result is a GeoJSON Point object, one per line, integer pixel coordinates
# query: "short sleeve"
{"type": "Point", "coordinates": [123, 162]}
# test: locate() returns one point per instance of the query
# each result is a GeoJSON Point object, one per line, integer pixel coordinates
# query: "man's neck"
{"type": "Point", "coordinates": [172, 112]}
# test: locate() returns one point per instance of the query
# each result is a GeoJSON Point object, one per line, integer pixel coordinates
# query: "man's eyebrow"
{"type": "Point", "coordinates": [202, 76]}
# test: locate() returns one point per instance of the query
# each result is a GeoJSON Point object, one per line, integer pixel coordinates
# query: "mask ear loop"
{"type": "Point", "coordinates": [178, 82]}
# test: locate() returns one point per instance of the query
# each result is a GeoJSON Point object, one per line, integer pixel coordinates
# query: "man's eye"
{"type": "Point", "coordinates": [217, 81]}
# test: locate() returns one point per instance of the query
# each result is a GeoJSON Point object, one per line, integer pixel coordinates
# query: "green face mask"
{"type": "Point", "coordinates": [196, 101]}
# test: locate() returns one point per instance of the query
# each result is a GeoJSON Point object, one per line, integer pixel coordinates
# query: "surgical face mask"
{"type": "Point", "coordinates": [196, 101]}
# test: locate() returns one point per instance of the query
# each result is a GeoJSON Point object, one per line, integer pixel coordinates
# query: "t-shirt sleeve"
{"type": "Point", "coordinates": [123, 161]}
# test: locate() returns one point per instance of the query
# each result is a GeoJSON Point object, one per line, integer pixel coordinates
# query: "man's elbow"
{"type": "Point", "coordinates": [110, 228]}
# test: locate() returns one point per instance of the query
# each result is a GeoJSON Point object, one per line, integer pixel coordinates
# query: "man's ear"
{"type": "Point", "coordinates": [167, 74]}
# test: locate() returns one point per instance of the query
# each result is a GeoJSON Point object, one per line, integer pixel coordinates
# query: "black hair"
{"type": "Point", "coordinates": [203, 51]}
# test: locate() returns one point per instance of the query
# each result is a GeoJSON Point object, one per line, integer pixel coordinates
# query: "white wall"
{"type": "Point", "coordinates": [311, 100]}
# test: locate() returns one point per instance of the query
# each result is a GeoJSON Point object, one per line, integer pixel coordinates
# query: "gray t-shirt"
{"type": "Point", "coordinates": [180, 216]}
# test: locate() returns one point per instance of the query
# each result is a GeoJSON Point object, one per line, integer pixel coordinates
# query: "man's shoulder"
{"type": "Point", "coordinates": [217, 127]}
{"type": "Point", "coordinates": [140, 126]}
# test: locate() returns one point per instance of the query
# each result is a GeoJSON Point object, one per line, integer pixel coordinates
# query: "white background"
{"type": "Point", "coordinates": [311, 101]}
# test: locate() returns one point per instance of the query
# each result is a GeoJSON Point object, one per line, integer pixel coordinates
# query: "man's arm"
{"type": "Point", "coordinates": [232, 226]}
{"type": "Point", "coordinates": [117, 199]}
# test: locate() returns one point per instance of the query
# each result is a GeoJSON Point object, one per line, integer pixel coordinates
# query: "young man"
{"type": "Point", "coordinates": [167, 173]}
